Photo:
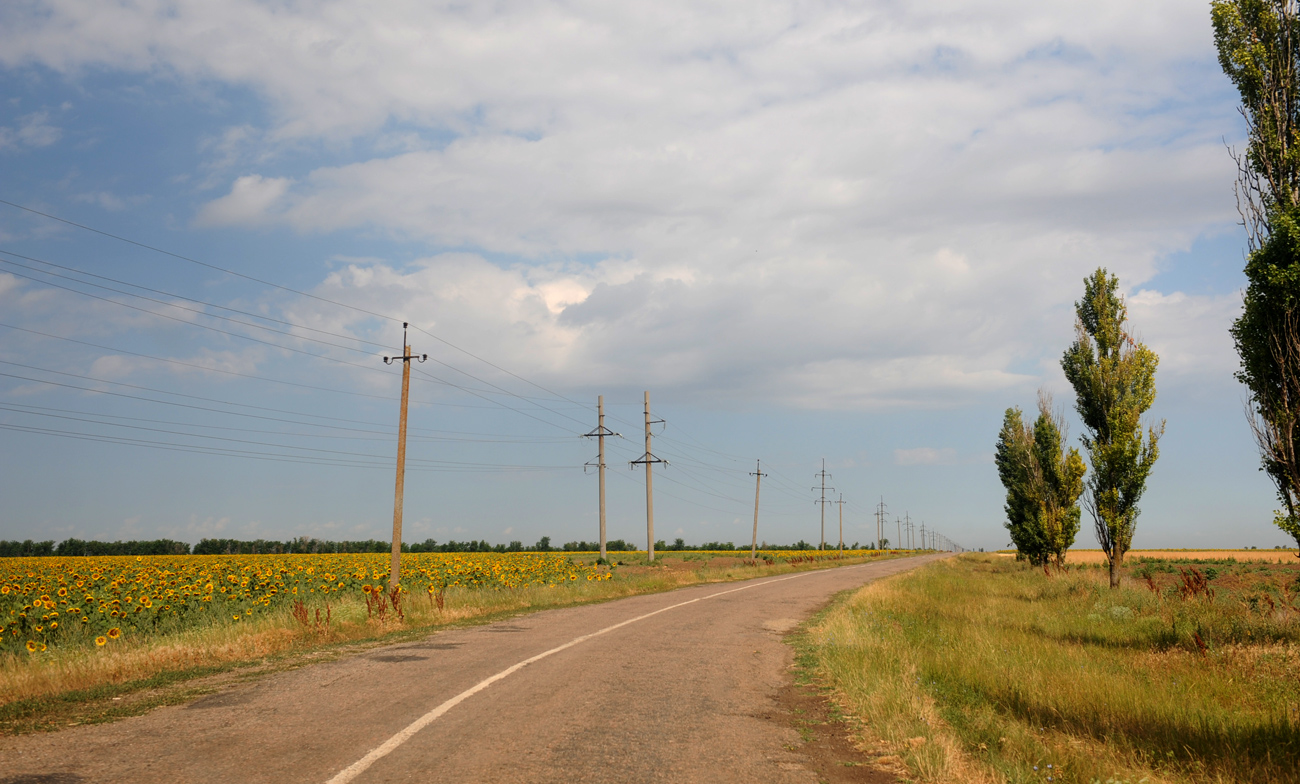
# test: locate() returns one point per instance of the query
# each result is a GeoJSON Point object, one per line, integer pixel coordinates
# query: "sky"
{"type": "Point", "coordinates": [850, 232]}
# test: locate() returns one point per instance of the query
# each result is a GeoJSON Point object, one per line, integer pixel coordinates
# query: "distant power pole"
{"type": "Point", "coordinates": [648, 459]}
{"type": "Point", "coordinates": [881, 520]}
{"type": "Point", "coordinates": [923, 539]}
{"type": "Point", "coordinates": [599, 434]}
{"type": "Point", "coordinates": [841, 505]}
{"type": "Point", "coordinates": [911, 529]}
{"type": "Point", "coordinates": [823, 502]}
{"type": "Point", "coordinates": [899, 523]}
{"type": "Point", "coordinates": [758, 483]}
{"type": "Point", "coordinates": [395, 568]}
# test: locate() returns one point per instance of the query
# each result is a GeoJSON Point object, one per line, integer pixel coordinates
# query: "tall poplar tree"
{"type": "Point", "coordinates": [1113, 377]}
{"type": "Point", "coordinates": [1259, 49]}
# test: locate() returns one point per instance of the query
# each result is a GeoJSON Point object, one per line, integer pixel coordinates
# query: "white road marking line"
{"type": "Point", "coordinates": [387, 747]}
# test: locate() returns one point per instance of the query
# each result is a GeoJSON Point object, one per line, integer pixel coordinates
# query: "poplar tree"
{"type": "Point", "coordinates": [1015, 461]}
{"type": "Point", "coordinates": [1113, 377]}
{"type": "Point", "coordinates": [1259, 49]}
{"type": "Point", "coordinates": [1043, 480]}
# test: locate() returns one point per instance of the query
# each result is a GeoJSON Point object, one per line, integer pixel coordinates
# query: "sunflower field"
{"type": "Point", "coordinates": [47, 601]}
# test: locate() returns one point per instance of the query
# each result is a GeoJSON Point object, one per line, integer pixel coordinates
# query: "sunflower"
{"type": "Point", "coordinates": [114, 633]}
{"type": "Point", "coordinates": [101, 640]}
{"type": "Point", "coordinates": [31, 646]}
{"type": "Point", "coordinates": [63, 591]}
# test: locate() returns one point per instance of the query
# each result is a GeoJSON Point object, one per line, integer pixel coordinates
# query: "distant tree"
{"type": "Point", "coordinates": [544, 544]}
{"type": "Point", "coordinates": [1259, 49]}
{"type": "Point", "coordinates": [1113, 377]}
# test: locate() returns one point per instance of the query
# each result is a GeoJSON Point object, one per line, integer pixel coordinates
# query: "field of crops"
{"type": "Point", "coordinates": [49, 601]}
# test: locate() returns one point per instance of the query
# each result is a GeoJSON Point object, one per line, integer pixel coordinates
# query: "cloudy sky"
{"type": "Point", "coordinates": [840, 231]}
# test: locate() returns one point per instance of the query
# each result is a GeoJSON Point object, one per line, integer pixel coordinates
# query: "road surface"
{"type": "Point", "coordinates": [671, 687]}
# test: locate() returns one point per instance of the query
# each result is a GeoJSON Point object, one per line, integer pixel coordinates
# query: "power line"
{"type": "Point", "coordinates": [273, 456]}
{"type": "Point", "coordinates": [169, 294]}
{"type": "Point", "coordinates": [164, 303]}
{"type": "Point", "coordinates": [253, 442]}
{"type": "Point", "coordinates": [378, 435]}
{"type": "Point", "coordinates": [194, 397]}
{"type": "Point", "coordinates": [155, 249]}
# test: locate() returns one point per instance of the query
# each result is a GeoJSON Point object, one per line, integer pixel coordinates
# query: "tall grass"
{"type": "Point", "coordinates": [981, 669]}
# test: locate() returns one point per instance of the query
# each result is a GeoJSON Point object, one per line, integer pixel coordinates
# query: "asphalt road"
{"type": "Point", "coordinates": [672, 687]}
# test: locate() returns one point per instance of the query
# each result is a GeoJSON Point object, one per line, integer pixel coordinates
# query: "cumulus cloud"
{"type": "Point", "coordinates": [828, 205]}
{"type": "Point", "coordinates": [252, 200]}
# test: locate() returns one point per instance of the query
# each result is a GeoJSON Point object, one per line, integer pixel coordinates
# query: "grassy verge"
{"type": "Point", "coordinates": [83, 685]}
{"type": "Point", "coordinates": [981, 669]}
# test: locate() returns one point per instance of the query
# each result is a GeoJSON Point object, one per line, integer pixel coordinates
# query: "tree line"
{"type": "Point", "coordinates": [309, 545]}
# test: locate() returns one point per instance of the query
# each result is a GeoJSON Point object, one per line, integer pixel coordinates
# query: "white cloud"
{"type": "Point", "coordinates": [828, 205]}
{"type": "Point", "coordinates": [251, 200]}
{"type": "Point", "coordinates": [33, 130]}
{"type": "Point", "coordinates": [925, 456]}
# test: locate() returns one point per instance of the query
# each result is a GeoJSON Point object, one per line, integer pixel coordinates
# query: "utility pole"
{"type": "Point", "coordinates": [395, 568]}
{"type": "Point", "coordinates": [841, 505]}
{"type": "Point", "coordinates": [923, 539]}
{"type": "Point", "coordinates": [823, 502]}
{"type": "Point", "coordinates": [899, 523]}
{"type": "Point", "coordinates": [881, 521]}
{"type": "Point", "coordinates": [911, 529]}
{"type": "Point", "coordinates": [649, 460]}
{"type": "Point", "coordinates": [758, 483]}
{"type": "Point", "coordinates": [599, 434]}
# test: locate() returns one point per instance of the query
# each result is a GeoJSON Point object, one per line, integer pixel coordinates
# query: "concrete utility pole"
{"type": "Point", "coordinates": [899, 523]}
{"type": "Point", "coordinates": [649, 460]}
{"type": "Point", "coordinates": [395, 568]}
{"type": "Point", "coordinates": [841, 505]}
{"type": "Point", "coordinates": [923, 539]}
{"type": "Point", "coordinates": [823, 502]}
{"type": "Point", "coordinates": [599, 434]}
{"type": "Point", "coordinates": [881, 521]}
{"type": "Point", "coordinates": [758, 483]}
{"type": "Point", "coordinates": [911, 529]}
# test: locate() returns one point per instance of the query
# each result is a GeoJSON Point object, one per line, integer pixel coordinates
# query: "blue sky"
{"type": "Point", "coordinates": [850, 231]}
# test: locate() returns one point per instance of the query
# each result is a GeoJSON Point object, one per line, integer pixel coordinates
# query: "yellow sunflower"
{"type": "Point", "coordinates": [101, 640]}
{"type": "Point", "coordinates": [114, 633]}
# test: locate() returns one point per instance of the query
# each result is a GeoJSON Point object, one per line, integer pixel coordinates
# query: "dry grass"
{"type": "Point", "coordinates": [24, 678]}
{"type": "Point", "coordinates": [1266, 556]}
{"type": "Point", "coordinates": [1003, 671]}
